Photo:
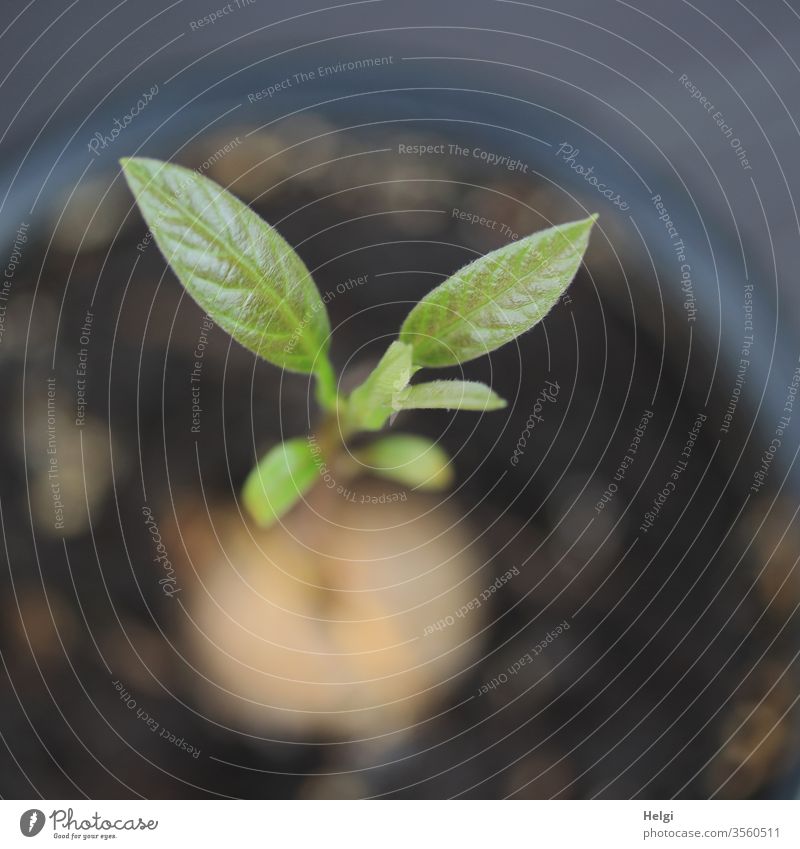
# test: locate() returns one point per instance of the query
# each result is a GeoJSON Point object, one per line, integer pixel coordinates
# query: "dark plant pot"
{"type": "Point", "coordinates": [639, 695]}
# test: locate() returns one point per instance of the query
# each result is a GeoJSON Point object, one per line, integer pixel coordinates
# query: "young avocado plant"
{"type": "Point", "coordinates": [253, 284]}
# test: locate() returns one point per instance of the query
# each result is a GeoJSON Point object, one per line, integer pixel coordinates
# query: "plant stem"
{"type": "Point", "coordinates": [327, 396]}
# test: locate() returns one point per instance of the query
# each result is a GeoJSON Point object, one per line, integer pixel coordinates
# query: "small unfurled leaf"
{"type": "Point", "coordinates": [449, 395]}
{"type": "Point", "coordinates": [497, 297]}
{"type": "Point", "coordinates": [411, 460]}
{"type": "Point", "coordinates": [284, 475]}
{"type": "Point", "coordinates": [238, 268]}
{"type": "Point", "coordinates": [373, 401]}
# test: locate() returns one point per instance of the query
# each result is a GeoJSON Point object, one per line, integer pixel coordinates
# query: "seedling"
{"type": "Point", "coordinates": [253, 284]}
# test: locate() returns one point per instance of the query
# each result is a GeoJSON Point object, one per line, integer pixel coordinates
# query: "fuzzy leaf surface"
{"type": "Point", "coordinates": [240, 270]}
{"type": "Point", "coordinates": [412, 460]}
{"type": "Point", "coordinates": [283, 476]}
{"type": "Point", "coordinates": [450, 395]}
{"type": "Point", "coordinates": [497, 297]}
{"type": "Point", "coordinates": [373, 401]}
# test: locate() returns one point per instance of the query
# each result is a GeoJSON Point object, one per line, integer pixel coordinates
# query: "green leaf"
{"type": "Point", "coordinates": [411, 460]}
{"type": "Point", "coordinates": [497, 297]}
{"type": "Point", "coordinates": [374, 400]}
{"type": "Point", "coordinates": [449, 395]}
{"type": "Point", "coordinates": [284, 475]}
{"type": "Point", "coordinates": [237, 267]}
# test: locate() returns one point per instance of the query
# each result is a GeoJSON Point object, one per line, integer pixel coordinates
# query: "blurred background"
{"type": "Point", "coordinates": [614, 614]}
